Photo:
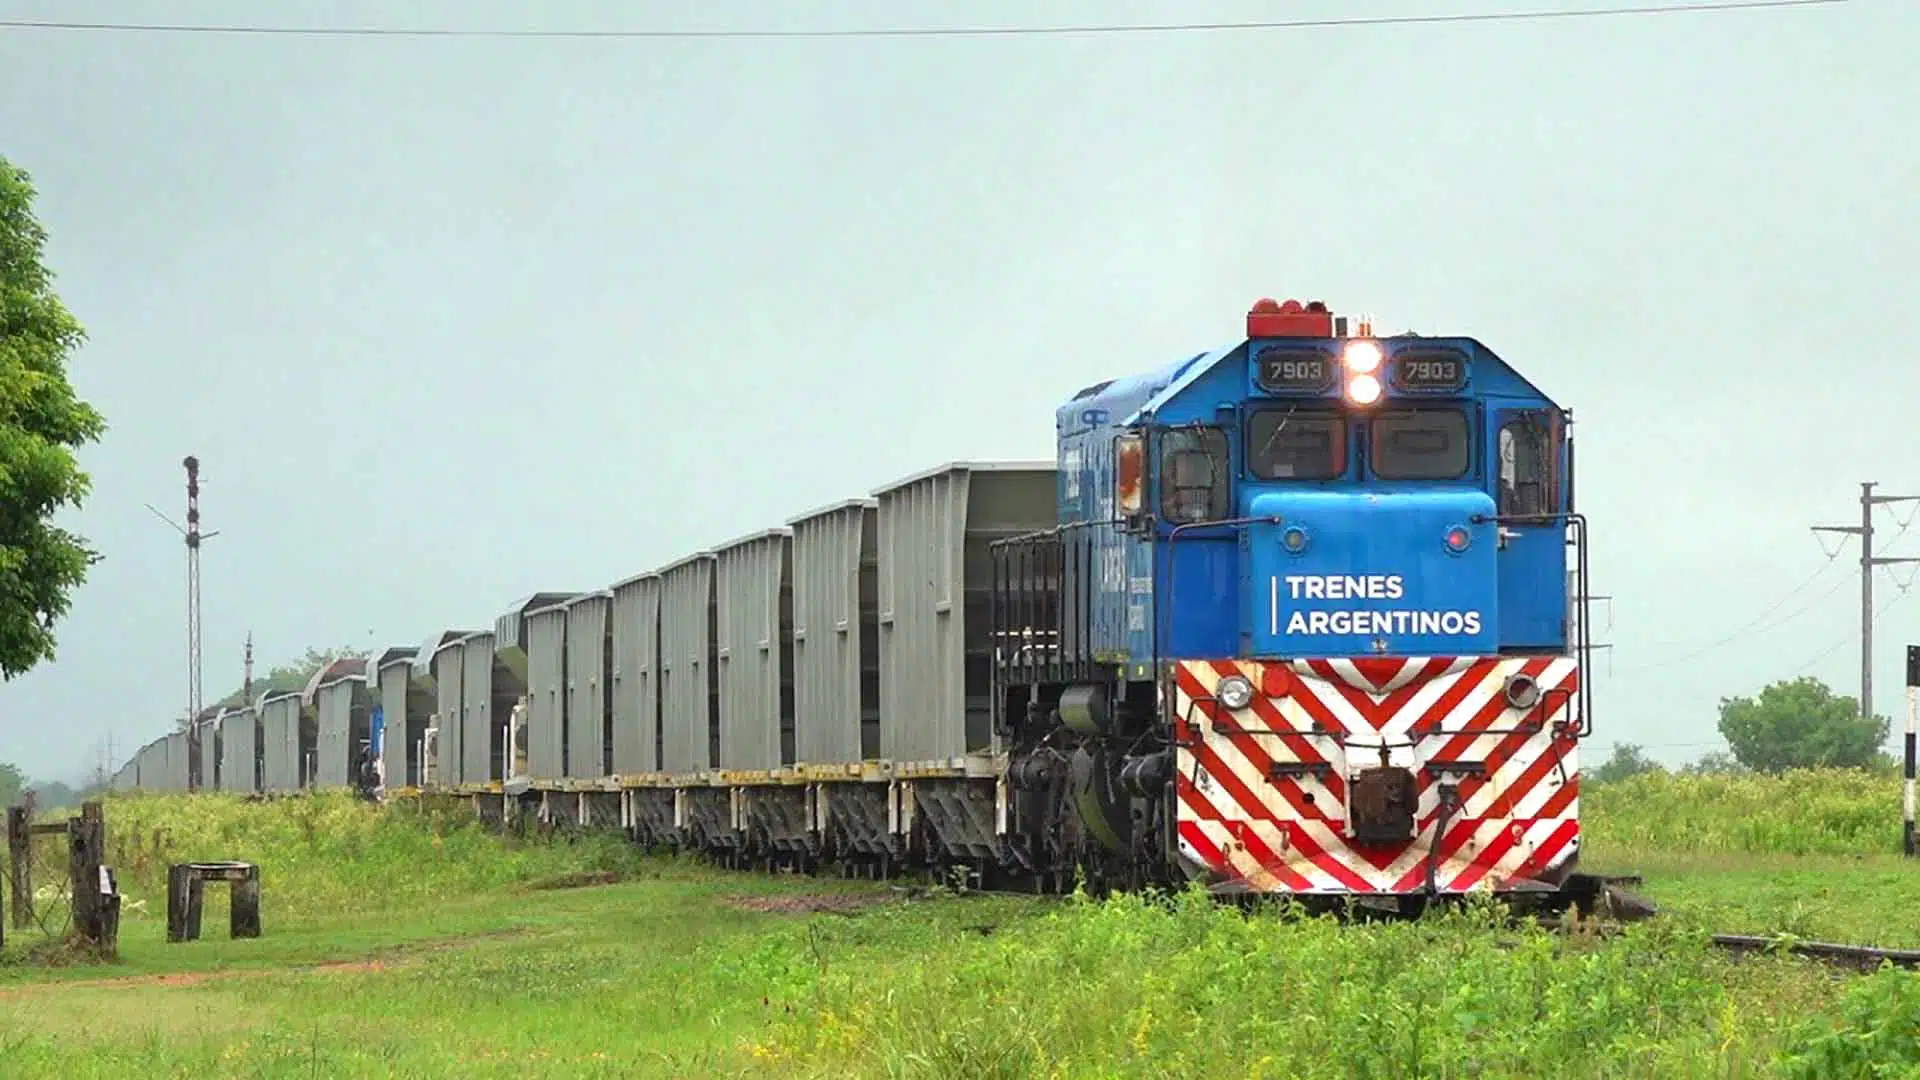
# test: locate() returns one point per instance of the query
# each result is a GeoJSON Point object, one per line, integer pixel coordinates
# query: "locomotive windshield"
{"type": "Point", "coordinates": [1296, 444]}
{"type": "Point", "coordinates": [1420, 444]}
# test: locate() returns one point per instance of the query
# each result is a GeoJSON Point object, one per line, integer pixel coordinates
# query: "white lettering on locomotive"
{"type": "Point", "coordinates": [1351, 621]}
{"type": "Point", "coordinates": [1346, 586]}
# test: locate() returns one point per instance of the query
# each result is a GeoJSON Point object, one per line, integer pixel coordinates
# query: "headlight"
{"type": "Point", "coordinates": [1522, 691]}
{"type": "Point", "coordinates": [1362, 357]}
{"type": "Point", "coordinates": [1235, 692]}
{"type": "Point", "coordinates": [1363, 389]}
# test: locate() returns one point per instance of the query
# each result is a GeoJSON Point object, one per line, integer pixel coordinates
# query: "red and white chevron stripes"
{"type": "Point", "coordinates": [1242, 822]}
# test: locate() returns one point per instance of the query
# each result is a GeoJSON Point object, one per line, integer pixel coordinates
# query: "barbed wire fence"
{"type": "Point", "coordinates": [43, 920]}
{"type": "Point", "coordinates": [38, 894]}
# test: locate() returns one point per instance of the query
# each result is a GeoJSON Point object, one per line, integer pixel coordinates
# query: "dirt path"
{"type": "Point", "coordinates": [806, 903]}
{"type": "Point", "coordinates": [384, 959]}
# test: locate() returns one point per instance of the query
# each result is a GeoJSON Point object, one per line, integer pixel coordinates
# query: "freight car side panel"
{"type": "Point", "coordinates": [754, 630]}
{"type": "Point", "coordinates": [935, 592]}
{"type": "Point", "coordinates": [280, 735]}
{"type": "Point", "coordinates": [836, 644]}
{"type": "Point", "coordinates": [689, 685]}
{"type": "Point", "coordinates": [406, 700]}
{"type": "Point", "coordinates": [589, 693]}
{"type": "Point", "coordinates": [546, 694]}
{"type": "Point", "coordinates": [636, 675]}
{"type": "Point", "coordinates": [240, 750]}
{"type": "Point", "coordinates": [478, 750]}
{"type": "Point", "coordinates": [210, 756]}
{"type": "Point", "coordinates": [335, 703]}
{"type": "Point", "coordinates": [449, 681]}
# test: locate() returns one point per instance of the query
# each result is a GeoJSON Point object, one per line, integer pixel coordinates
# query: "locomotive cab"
{"type": "Point", "coordinates": [1356, 497]}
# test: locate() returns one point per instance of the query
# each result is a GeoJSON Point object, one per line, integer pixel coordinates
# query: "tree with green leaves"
{"type": "Point", "coordinates": [42, 422]}
{"type": "Point", "coordinates": [1628, 760]}
{"type": "Point", "coordinates": [1714, 763]}
{"type": "Point", "coordinates": [1801, 724]}
{"type": "Point", "coordinates": [12, 783]}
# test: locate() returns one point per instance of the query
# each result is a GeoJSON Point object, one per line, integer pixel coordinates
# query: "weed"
{"type": "Point", "coordinates": [1850, 812]}
{"type": "Point", "coordinates": [409, 941]}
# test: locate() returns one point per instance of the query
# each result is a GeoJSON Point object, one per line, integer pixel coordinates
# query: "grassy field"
{"type": "Point", "coordinates": [410, 944]}
{"type": "Point", "coordinates": [1814, 854]}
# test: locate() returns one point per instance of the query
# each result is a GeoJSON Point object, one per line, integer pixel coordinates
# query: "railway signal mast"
{"type": "Point", "coordinates": [1864, 530]}
{"type": "Point", "coordinates": [193, 537]}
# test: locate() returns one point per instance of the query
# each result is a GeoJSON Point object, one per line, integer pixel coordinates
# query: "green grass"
{"type": "Point", "coordinates": [1811, 853]}
{"type": "Point", "coordinates": [1804, 812]}
{"type": "Point", "coordinates": [412, 944]}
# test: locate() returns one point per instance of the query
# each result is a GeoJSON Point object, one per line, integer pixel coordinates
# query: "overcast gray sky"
{"type": "Point", "coordinates": [449, 321]}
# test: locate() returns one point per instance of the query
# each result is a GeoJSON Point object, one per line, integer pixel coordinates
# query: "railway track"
{"type": "Point", "coordinates": [1860, 957]}
{"type": "Point", "coordinates": [1619, 905]}
{"type": "Point", "coordinates": [1864, 958]}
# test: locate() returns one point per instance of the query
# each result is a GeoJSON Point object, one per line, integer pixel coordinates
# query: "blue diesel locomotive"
{"type": "Point", "coordinates": [1309, 622]}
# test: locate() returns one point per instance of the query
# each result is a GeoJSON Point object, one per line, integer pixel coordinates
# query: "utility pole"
{"type": "Point", "coordinates": [193, 621]}
{"type": "Point", "coordinates": [1864, 530]}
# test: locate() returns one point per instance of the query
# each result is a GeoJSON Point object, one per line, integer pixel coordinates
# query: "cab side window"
{"type": "Point", "coordinates": [1529, 481]}
{"type": "Point", "coordinates": [1194, 474]}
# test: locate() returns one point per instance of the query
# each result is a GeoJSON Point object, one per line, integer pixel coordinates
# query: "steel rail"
{"type": "Point", "coordinates": [1864, 957]}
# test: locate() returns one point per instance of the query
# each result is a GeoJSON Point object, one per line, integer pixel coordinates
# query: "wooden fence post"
{"type": "Point", "coordinates": [20, 861]}
{"type": "Point", "coordinates": [244, 913]}
{"type": "Point", "coordinates": [183, 903]}
{"type": "Point", "coordinates": [96, 901]}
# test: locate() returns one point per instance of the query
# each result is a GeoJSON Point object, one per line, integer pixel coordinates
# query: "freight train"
{"type": "Point", "coordinates": [1304, 614]}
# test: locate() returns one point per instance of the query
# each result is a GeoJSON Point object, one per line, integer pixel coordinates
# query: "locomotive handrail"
{"type": "Point", "coordinates": [1052, 530]}
{"type": "Point", "coordinates": [1582, 645]}
{"type": "Point", "coordinates": [1044, 603]}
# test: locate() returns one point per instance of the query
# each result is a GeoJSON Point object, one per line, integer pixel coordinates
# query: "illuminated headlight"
{"type": "Point", "coordinates": [1362, 357]}
{"type": "Point", "coordinates": [1363, 389]}
{"type": "Point", "coordinates": [1235, 692]}
{"type": "Point", "coordinates": [1522, 691]}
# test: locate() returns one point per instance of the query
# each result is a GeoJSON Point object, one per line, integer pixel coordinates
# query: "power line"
{"type": "Point", "coordinates": [1717, 744]}
{"type": "Point", "coordinates": [1864, 530]}
{"type": "Point", "coordinates": [1753, 625]}
{"type": "Point", "coordinates": [1844, 638]}
{"type": "Point", "coordinates": [936, 31]}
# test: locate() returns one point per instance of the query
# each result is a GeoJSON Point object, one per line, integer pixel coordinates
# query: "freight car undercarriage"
{"type": "Point", "coordinates": [1064, 809]}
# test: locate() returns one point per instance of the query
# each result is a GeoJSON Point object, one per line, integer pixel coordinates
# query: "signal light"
{"type": "Point", "coordinates": [1362, 357]}
{"type": "Point", "coordinates": [1363, 389]}
{"type": "Point", "coordinates": [1458, 538]}
{"type": "Point", "coordinates": [1270, 318]}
